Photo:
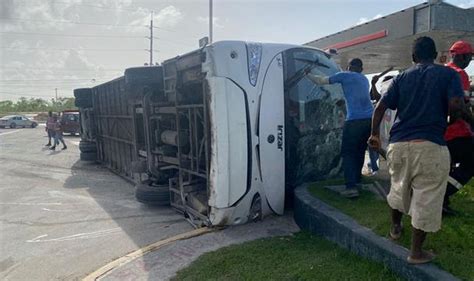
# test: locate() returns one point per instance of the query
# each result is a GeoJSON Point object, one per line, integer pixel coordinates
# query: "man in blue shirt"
{"type": "Point", "coordinates": [418, 158]}
{"type": "Point", "coordinates": [357, 126]}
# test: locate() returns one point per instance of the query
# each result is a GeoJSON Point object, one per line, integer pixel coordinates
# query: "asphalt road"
{"type": "Point", "coordinates": [60, 218]}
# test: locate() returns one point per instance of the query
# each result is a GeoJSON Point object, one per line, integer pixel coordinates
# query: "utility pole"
{"type": "Point", "coordinates": [210, 21]}
{"type": "Point", "coordinates": [151, 39]}
{"type": "Point", "coordinates": [56, 93]}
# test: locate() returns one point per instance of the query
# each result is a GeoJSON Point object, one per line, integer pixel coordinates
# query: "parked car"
{"type": "Point", "coordinates": [14, 121]}
{"type": "Point", "coordinates": [70, 121]}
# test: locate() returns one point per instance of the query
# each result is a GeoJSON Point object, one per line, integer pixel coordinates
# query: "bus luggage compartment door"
{"type": "Point", "coordinates": [271, 136]}
{"type": "Point", "coordinates": [229, 146]}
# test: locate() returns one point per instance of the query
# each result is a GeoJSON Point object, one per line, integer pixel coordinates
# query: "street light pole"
{"type": "Point", "coordinates": [210, 21]}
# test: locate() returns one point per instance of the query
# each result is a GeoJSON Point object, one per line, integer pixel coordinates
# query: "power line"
{"type": "Point", "coordinates": [176, 43]}
{"type": "Point", "coordinates": [68, 69]}
{"type": "Point", "coordinates": [95, 6]}
{"type": "Point", "coordinates": [88, 23]}
{"type": "Point", "coordinates": [72, 35]}
{"type": "Point", "coordinates": [35, 85]}
{"type": "Point", "coordinates": [94, 36]}
{"type": "Point", "coordinates": [72, 49]}
{"type": "Point", "coordinates": [101, 7]}
{"type": "Point", "coordinates": [91, 23]}
{"type": "Point", "coordinates": [65, 72]}
{"type": "Point", "coordinates": [73, 22]}
{"type": "Point", "coordinates": [76, 79]}
{"type": "Point", "coordinates": [22, 92]}
{"type": "Point", "coordinates": [59, 79]}
{"type": "Point", "coordinates": [25, 95]}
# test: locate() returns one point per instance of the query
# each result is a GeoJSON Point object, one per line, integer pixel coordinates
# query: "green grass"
{"type": "Point", "coordinates": [453, 244]}
{"type": "Point", "coordinates": [298, 257]}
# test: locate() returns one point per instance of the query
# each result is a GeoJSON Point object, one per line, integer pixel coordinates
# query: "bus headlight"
{"type": "Point", "coordinates": [254, 57]}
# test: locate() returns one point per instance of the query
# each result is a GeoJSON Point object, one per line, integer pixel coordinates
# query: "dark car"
{"type": "Point", "coordinates": [70, 122]}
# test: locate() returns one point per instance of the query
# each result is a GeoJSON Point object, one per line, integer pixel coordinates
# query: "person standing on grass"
{"type": "Point", "coordinates": [58, 136]}
{"type": "Point", "coordinates": [418, 158]}
{"type": "Point", "coordinates": [375, 96]}
{"type": "Point", "coordinates": [50, 128]}
{"type": "Point", "coordinates": [459, 135]}
{"type": "Point", "coordinates": [356, 129]}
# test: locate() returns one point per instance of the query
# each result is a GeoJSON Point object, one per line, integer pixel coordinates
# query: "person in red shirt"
{"type": "Point", "coordinates": [459, 135]}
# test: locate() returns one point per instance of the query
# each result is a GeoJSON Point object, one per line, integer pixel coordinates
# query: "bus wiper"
{"type": "Point", "coordinates": [301, 73]}
{"type": "Point", "coordinates": [315, 62]}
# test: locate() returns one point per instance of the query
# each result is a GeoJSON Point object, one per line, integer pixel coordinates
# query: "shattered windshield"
{"type": "Point", "coordinates": [314, 117]}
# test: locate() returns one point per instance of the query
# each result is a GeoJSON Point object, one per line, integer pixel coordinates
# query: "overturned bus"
{"type": "Point", "coordinates": [232, 128]}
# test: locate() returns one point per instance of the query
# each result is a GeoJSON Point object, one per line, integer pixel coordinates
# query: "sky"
{"type": "Point", "coordinates": [54, 46]}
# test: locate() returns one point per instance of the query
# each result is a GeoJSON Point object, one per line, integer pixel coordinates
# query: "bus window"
{"type": "Point", "coordinates": [314, 116]}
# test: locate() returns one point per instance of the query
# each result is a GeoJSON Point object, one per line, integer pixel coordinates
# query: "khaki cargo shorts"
{"type": "Point", "coordinates": [419, 174]}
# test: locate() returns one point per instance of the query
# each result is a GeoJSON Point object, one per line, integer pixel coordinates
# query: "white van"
{"type": "Point", "coordinates": [238, 125]}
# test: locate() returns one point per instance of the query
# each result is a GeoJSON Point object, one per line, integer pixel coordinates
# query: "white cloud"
{"type": "Point", "coordinates": [33, 68]}
{"type": "Point", "coordinates": [467, 4]}
{"type": "Point", "coordinates": [215, 21]}
{"type": "Point", "coordinates": [37, 15]}
{"type": "Point", "coordinates": [167, 17]}
{"type": "Point", "coordinates": [364, 20]}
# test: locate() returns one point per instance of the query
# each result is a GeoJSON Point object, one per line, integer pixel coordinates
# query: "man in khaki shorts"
{"type": "Point", "coordinates": [418, 158]}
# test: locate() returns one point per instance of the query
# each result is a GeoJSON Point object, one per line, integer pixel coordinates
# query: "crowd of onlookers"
{"type": "Point", "coordinates": [431, 146]}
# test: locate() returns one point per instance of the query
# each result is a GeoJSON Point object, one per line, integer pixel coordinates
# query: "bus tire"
{"type": "Point", "coordinates": [87, 147]}
{"type": "Point", "coordinates": [88, 156]}
{"type": "Point", "coordinates": [139, 166]}
{"type": "Point", "coordinates": [158, 195]}
{"type": "Point", "coordinates": [83, 97]}
{"type": "Point", "coordinates": [143, 75]}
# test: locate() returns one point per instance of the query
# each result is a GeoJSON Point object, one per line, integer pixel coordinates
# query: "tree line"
{"type": "Point", "coordinates": [37, 105]}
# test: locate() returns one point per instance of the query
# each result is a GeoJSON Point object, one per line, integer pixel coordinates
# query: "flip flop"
{"type": "Point", "coordinates": [394, 234]}
{"type": "Point", "coordinates": [428, 257]}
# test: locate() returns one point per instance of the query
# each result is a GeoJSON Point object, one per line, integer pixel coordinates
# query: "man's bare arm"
{"type": "Point", "coordinates": [458, 109]}
{"type": "Point", "coordinates": [377, 118]}
{"type": "Point", "coordinates": [320, 80]}
{"type": "Point", "coordinates": [374, 140]}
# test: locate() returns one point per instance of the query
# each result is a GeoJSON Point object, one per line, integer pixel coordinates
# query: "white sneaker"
{"type": "Point", "coordinates": [373, 173]}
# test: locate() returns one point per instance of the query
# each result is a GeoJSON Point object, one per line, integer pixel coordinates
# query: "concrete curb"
{"type": "Point", "coordinates": [316, 216]}
{"type": "Point", "coordinates": [163, 260]}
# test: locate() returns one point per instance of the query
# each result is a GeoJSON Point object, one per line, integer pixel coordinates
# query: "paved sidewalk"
{"type": "Point", "coordinates": [163, 263]}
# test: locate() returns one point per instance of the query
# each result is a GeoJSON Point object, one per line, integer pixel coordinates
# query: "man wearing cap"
{"type": "Point", "coordinates": [459, 135]}
{"type": "Point", "coordinates": [357, 125]}
{"type": "Point", "coordinates": [461, 55]}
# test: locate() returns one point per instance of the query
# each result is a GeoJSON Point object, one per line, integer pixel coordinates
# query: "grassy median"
{"type": "Point", "coordinates": [298, 257]}
{"type": "Point", "coordinates": [453, 244]}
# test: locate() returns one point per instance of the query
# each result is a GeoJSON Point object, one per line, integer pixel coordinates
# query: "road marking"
{"type": "Point", "coordinates": [11, 132]}
{"type": "Point", "coordinates": [33, 204]}
{"type": "Point", "coordinates": [51, 210]}
{"type": "Point", "coordinates": [86, 235]}
{"type": "Point", "coordinates": [76, 143]}
{"type": "Point", "coordinates": [141, 252]}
